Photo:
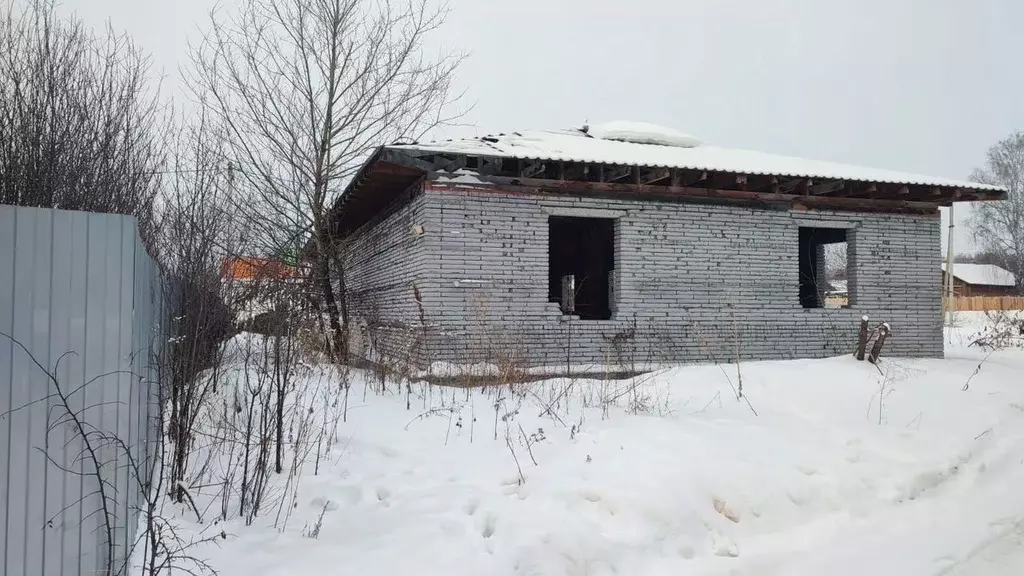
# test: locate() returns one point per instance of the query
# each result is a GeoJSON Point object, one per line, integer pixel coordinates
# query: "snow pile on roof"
{"type": "Point", "coordinates": [642, 133]}
{"type": "Point", "coordinates": [830, 478]}
{"type": "Point", "coordinates": [577, 146]}
{"type": "Point", "coordinates": [983, 274]}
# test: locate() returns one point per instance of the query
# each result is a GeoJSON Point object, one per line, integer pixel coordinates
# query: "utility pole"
{"type": "Point", "coordinates": [949, 302]}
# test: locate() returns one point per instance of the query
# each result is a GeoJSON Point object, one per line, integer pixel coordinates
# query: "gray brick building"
{"type": "Point", "coordinates": [677, 252]}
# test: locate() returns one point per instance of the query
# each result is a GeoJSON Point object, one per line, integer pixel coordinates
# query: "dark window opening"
{"type": "Point", "coordinates": [824, 272]}
{"type": "Point", "coordinates": [585, 249]}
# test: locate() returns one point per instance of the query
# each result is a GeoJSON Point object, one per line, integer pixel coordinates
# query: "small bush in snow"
{"type": "Point", "coordinates": [314, 531]}
{"type": "Point", "coordinates": [1003, 330]}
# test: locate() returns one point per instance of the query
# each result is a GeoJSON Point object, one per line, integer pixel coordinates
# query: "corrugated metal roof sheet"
{"type": "Point", "coordinates": [577, 146]}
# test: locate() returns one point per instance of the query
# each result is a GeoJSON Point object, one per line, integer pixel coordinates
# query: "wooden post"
{"type": "Point", "coordinates": [876, 350]}
{"type": "Point", "coordinates": [568, 294]}
{"type": "Point", "coordinates": [568, 308]}
{"type": "Point", "coordinates": [862, 342]}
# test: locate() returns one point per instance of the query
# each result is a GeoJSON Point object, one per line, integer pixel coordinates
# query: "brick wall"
{"type": "Point", "coordinates": [692, 282]}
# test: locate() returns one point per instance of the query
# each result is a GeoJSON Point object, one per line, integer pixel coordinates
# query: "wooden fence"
{"type": "Point", "coordinates": [986, 303]}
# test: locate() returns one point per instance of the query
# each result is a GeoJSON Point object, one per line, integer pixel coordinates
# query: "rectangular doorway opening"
{"type": "Point", "coordinates": [824, 268]}
{"type": "Point", "coordinates": [585, 249]}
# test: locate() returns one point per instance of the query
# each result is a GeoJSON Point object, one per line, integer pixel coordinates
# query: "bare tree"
{"type": "Point", "coordinates": [79, 118]}
{"type": "Point", "coordinates": [836, 261]}
{"type": "Point", "coordinates": [305, 90]}
{"type": "Point", "coordinates": [999, 226]}
{"type": "Point", "coordinates": [197, 235]}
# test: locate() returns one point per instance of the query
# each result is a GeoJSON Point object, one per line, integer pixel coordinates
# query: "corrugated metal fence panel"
{"type": "Point", "coordinates": [7, 229]}
{"type": "Point", "coordinates": [80, 293]}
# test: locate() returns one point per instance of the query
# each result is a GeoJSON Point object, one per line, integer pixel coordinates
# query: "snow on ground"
{"type": "Point", "coordinates": [844, 469]}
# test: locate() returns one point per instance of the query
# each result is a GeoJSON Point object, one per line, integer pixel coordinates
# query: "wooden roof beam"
{"type": "Point", "coordinates": [693, 178]}
{"type": "Point", "coordinates": [800, 186]}
{"type": "Point", "coordinates": [656, 176]}
{"type": "Point", "coordinates": [489, 165]}
{"type": "Point", "coordinates": [530, 169]}
{"type": "Point", "coordinates": [727, 181]}
{"type": "Point", "coordinates": [865, 191]}
{"type": "Point", "coordinates": [451, 165]}
{"type": "Point", "coordinates": [616, 173]}
{"type": "Point", "coordinates": [792, 185]}
{"type": "Point", "coordinates": [827, 187]}
{"type": "Point", "coordinates": [695, 193]}
{"type": "Point", "coordinates": [421, 162]}
{"type": "Point", "coordinates": [386, 168]}
{"type": "Point", "coordinates": [763, 184]}
{"type": "Point", "coordinates": [576, 171]}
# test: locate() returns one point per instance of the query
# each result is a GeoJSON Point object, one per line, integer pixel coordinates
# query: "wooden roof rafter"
{"type": "Point", "coordinates": [391, 169]}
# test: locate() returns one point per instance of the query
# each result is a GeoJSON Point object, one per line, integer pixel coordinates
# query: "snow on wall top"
{"type": "Point", "coordinates": [637, 144]}
{"type": "Point", "coordinates": [983, 274]}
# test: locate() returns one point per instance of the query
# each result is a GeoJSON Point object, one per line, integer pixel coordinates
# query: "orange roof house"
{"type": "Point", "coordinates": [247, 268]}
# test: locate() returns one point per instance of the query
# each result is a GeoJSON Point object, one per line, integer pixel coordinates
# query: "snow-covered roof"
{"type": "Point", "coordinates": [838, 286]}
{"type": "Point", "coordinates": [642, 133]}
{"type": "Point", "coordinates": [638, 144]}
{"type": "Point", "coordinates": [983, 274]}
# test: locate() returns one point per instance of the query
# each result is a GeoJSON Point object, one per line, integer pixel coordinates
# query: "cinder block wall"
{"type": "Point", "coordinates": [693, 282]}
{"type": "Point", "coordinates": [383, 262]}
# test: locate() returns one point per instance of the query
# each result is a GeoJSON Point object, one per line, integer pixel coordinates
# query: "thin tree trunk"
{"type": "Point", "coordinates": [334, 316]}
{"type": "Point", "coordinates": [280, 382]}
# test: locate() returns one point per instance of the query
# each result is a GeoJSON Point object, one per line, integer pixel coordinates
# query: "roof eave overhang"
{"type": "Point", "coordinates": [391, 170]}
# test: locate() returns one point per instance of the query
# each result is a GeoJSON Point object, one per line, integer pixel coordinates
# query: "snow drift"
{"type": "Point", "coordinates": [825, 467]}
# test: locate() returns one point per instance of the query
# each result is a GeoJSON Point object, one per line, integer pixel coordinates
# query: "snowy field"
{"type": "Point", "coordinates": [844, 469]}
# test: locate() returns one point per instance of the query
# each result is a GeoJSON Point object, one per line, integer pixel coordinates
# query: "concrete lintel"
{"type": "Point", "coordinates": [582, 212]}
{"type": "Point", "coordinates": [814, 223]}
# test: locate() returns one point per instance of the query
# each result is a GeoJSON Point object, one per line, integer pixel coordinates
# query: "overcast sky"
{"type": "Point", "coordinates": [922, 86]}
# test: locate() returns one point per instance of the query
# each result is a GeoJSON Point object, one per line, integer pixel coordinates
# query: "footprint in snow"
{"type": "Point", "coordinates": [488, 525]}
{"type": "Point", "coordinates": [721, 545]}
{"type": "Point", "coordinates": [322, 503]}
{"type": "Point", "coordinates": [800, 495]}
{"type": "Point", "coordinates": [471, 506]}
{"type": "Point", "coordinates": [383, 494]}
{"type": "Point", "coordinates": [945, 563]}
{"type": "Point", "coordinates": [452, 528]}
{"type": "Point", "coordinates": [350, 495]}
{"type": "Point", "coordinates": [806, 470]}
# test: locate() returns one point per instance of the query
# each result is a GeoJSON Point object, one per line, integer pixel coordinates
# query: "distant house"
{"type": "Point", "coordinates": [257, 284]}
{"type": "Point", "coordinates": [627, 242]}
{"type": "Point", "coordinates": [837, 294]}
{"type": "Point", "coordinates": [981, 280]}
{"type": "Point", "coordinates": [248, 269]}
